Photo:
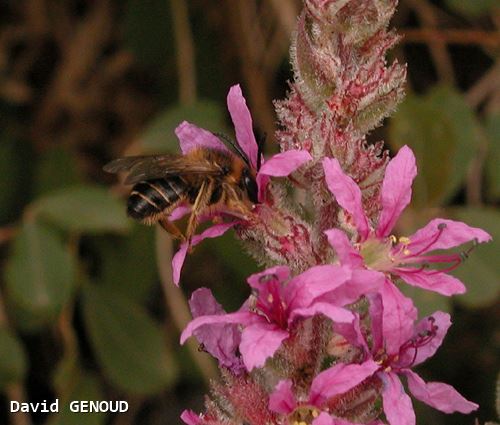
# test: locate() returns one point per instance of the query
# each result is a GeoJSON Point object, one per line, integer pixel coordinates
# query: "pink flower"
{"type": "Point", "coordinates": [190, 418]}
{"type": "Point", "coordinates": [375, 248]}
{"type": "Point", "coordinates": [398, 349]}
{"type": "Point", "coordinates": [280, 165]}
{"type": "Point", "coordinates": [327, 384]}
{"type": "Point", "coordinates": [268, 316]}
{"type": "Point", "coordinates": [220, 340]}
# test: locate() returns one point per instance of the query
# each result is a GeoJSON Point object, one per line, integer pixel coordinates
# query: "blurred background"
{"type": "Point", "coordinates": [87, 312]}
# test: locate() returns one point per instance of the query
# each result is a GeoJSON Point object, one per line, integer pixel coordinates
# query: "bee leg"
{"type": "Point", "coordinates": [172, 229]}
{"type": "Point", "coordinates": [199, 206]}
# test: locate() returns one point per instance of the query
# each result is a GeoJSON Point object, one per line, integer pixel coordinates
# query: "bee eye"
{"type": "Point", "coordinates": [251, 187]}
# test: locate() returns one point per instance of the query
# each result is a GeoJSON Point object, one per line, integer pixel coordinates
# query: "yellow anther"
{"type": "Point", "coordinates": [302, 423]}
{"type": "Point", "coordinates": [388, 369]}
{"type": "Point", "coordinates": [406, 252]}
{"type": "Point", "coordinates": [295, 423]}
{"type": "Point", "coordinates": [315, 413]}
{"type": "Point", "coordinates": [404, 240]}
{"type": "Point", "coordinates": [393, 239]}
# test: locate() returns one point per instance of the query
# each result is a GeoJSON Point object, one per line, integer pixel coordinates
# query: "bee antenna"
{"type": "Point", "coordinates": [260, 149]}
{"type": "Point", "coordinates": [234, 146]}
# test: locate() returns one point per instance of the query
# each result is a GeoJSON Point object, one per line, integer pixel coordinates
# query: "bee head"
{"type": "Point", "coordinates": [249, 185]}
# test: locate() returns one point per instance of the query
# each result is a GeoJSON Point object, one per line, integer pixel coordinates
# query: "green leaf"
{"type": "Point", "coordinates": [86, 388]}
{"type": "Point", "coordinates": [128, 263]}
{"type": "Point", "coordinates": [472, 8]}
{"type": "Point", "coordinates": [493, 159]}
{"type": "Point", "coordinates": [481, 271]}
{"type": "Point", "coordinates": [56, 169]}
{"type": "Point", "coordinates": [13, 363]}
{"type": "Point", "coordinates": [129, 346]}
{"type": "Point", "coordinates": [441, 129]}
{"type": "Point", "coordinates": [83, 209]}
{"type": "Point", "coordinates": [159, 135]}
{"type": "Point", "coordinates": [147, 31]}
{"type": "Point", "coordinates": [40, 274]}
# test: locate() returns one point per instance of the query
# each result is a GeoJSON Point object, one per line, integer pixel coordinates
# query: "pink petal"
{"type": "Point", "coordinates": [281, 273]}
{"type": "Point", "coordinates": [443, 323]}
{"type": "Point", "coordinates": [191, 136]}
{"type": "Point", "coordinates": [179, 212]}
{"type": "Point", "coordinates": [259, 342]}
{"type": "Point", "coordinates": [282, 399]}
{"type": "Point", "coordinates": [339, 379]}
{"type": "Point", "coordinates": [193, 325]}
{"type": "Point", "coordinates": [347, 194]}
{"type": "Point", "coordinates": [324, 419]}
{"type": "Point", "coordinates": [336, 314]}
{"type": "Point", "coordinates": [242, 120]}
{"type": "Point", "coordinates": [304, 288]}
{"type": "Point", "coordinates": [190, 418]}
{"type": "Point", "coordinates": [398, 317]}
{"type": "Point", "coordinates": [352, 333]}
{"type": "Point", "coordinates": [180, 255]}
{"type": "Point", "coordinates": [441, 233]}
{"type": "Point", "coordinates": [347, 254]}
{"type": "Point", "coordinates": [285, 163]}
{"type": "Point", "coordinates": [396, 189]}
{"type": "Point", "coordinates": [397, 404]}
{"type": "Point", "coordinates": [362, 282]}
{"type": "Point", "coordinates": [432, 280]}
{"type": "Point", "coordinates": [376, 311]}
{"type": "Point", "coordinates": [438, 395]}
{"type": "Point", "coordinates": [220, 340]}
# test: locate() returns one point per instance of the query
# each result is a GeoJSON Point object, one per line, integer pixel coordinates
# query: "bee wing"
{"type": "Point", "coordinates": [158, 166]}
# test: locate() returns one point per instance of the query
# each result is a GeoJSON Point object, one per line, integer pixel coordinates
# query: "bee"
{"type": "Point", "coordinates": [211, 181]}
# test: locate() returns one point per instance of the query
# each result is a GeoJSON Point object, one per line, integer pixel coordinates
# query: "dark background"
{"type": "Point", "coordinates": [82, 82]}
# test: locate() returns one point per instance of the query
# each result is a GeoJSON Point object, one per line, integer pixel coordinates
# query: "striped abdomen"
{"type": "Point", "coordinates": [150, 198]}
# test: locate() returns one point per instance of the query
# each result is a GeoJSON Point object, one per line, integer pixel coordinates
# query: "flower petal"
{"type": "Point", "coordinates": [190, 418]}
{"type": "Point", "coordinates": [259, 342]}
{"type": "Point", "coordinates": [339, 379]}
{"type": "Point", "coordinates": [395, 194]}
{"type": "Point", "coordinates": [362, 282]}
{"type": "Point", "coordinates": [323, 419]}
{"type": "Point", "coordinates": [285, 163]}
{"type": "Point", "coordinates": [282, 399]}
{"type": "Point", "coordinates": [238, 317]}
{"type": "Point", "coordinates": [432, 280]}
{"type": "Point", "coordinates": [336, 314]}
{"type": "Point", "coordinates": [179, 212]}
{"type": "Point", "coordinates": [441, 233]}
{"type": "Point", "coordinates": [347, 254]}
{"type": "Point", "coordinates": [347, 194]}
{"type": "Point", "coordinates": [397, 404]}
{"type": "Point", "coordinates": [438, 395]}
{"type": "Point", "coordinates": [220, 340]}
{"type": "Point", "coordinates": [281, 273]}
{"type": "Point", "coordinates": [443, 322]}
{"type": "Point", "coordinates": [399, 316]}
{"type": "Point", "coordinates": [180, 255]}
{"type": "Point", "coordinates": [242, 120]}
{"type": "Point", "coordinates": [190, 137]}
{"type": "Point", "coordinates": [304, 288]}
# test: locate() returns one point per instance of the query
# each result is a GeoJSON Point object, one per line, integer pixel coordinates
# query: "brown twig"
{"type": "Point", "coordinates": [185, 52]}
{"type": "Point", "coordinates": [438, 49]}
{"type": "Point", "coordinates": [488, 85]}
{"type": "Point", "coordinates": [176, 303]}
{"type": "Point", "coordinates": [451, 36]}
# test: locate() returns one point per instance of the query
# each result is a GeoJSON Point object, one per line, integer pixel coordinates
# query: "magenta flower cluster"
{"type": "Point", "coordinates": [326, 337]}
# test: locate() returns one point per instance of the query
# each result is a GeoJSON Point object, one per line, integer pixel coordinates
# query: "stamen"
{"type": "Point", "coordinates": [441, 227]}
